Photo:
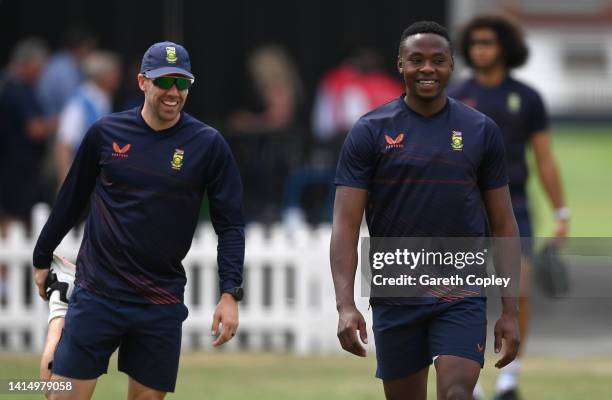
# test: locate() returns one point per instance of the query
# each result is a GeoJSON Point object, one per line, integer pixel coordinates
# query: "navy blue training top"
{"type": "Point", "coordinates": [519, 112]}
{"type": "Point", "coordinates": [145, 189]}
{"type": "Point", "coordinates": [424, 175]}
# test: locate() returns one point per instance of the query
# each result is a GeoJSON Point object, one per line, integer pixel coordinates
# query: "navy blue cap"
{"type": "Point", "coordinates": [166, 58]}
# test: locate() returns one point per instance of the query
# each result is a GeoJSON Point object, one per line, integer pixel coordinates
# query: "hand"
{"type": "Point", "coordinates": [350, 321]}
{"type": "Point", "coordinates": [561, 230]}
{"type": "Point", "coordinates": [507, 330]}
{"type": "Point", "coordinates": [226, 314]}
{"type": "Point", "coordinates": [40, 276]}
{"type": "Point", "coordinates": [53, 336]}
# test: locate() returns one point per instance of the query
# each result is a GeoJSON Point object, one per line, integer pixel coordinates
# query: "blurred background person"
{"type": "Point", "coordinates": [267, 140]}
{"type": "Point", "coordinates": [92, 100]}
{"type": "Point", "coordinates": [348, 91]}
{"type": "Point", "coordinates": [492, 46]}
{"type": "Point", "coordinates": [59, 81]}
{"type": "Point", "coordinates": [345, 93]}
{"type": "Point", "coordinates": [279, 90]}
{"type": "Point", "coordinates": [23, 133]}
{"type": "Point", "coordinates": [63, 73]}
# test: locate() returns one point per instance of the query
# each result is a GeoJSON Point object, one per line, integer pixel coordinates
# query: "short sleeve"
{"type": "Point", "coordinates": [537, 119]}
{"type": "Point", "coordinates": [492, 172]}
{"type": "Point", "coordinates": [356, 162]}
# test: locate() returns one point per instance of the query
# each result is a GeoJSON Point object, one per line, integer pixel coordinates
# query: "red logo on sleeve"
{"type": "Point", "coordinates": [121, 151]}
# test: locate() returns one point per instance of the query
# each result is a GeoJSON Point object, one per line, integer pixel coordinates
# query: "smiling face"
{"type": "Point", "coordinates": [162, 107]}
{"type": "Point", "coordinates": [426, 63]}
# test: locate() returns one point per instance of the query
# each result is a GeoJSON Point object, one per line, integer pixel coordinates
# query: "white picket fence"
{"type": "Point", "coordinates": [289, 299]}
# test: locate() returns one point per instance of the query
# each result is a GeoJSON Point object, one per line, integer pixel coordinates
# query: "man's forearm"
{"type": "Point", "coordinates": [71, 201]}
{"type": "Point", "coordinates": [507, 261]}
{"type": "Point", "coordinates": [343, 259]}
{"type": "Point", "coordinates": [551, 181]}
{"type": "Point", "coordinates": [510, 305]}
{"type": "Point", "coordinates": [230, 257]}
{"type": "Point", "coordinates": [348, 212]}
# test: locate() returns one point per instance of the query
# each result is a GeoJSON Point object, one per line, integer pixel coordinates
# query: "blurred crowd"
{"type": "Point", "coordinates": [286, 142]}
{"type": "Point", "coordinates": [47, 102]}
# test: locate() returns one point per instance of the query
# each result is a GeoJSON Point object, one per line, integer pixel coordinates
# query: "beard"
{"type": "Point", "coordinates": [165, 113]}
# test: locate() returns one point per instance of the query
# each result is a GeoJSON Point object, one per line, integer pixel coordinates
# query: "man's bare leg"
{"type": "Point", "coordinates": [81, 389]}
{"type": "Point", "coordinates": [456, 377]}
{"type": "Point", "coordinates": [54, 333]}
{"type": "Point", "coordinates": [138, 391]}
{"type": "Point", "coordinates": [412, 387]}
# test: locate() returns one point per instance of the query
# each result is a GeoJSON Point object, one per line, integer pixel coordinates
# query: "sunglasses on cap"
{"type": "Point", "coordinates": [166, 82]}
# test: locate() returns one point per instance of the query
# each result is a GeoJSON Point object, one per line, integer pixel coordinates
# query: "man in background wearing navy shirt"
{"type": "Point", "coordinates": [144, 173]}
{"type": "Point", "coordinates": [403, 164]}
{"type": "Point", "coordinates": [24, 131]}
{"type": "Point", "coordinates": [492, 46]}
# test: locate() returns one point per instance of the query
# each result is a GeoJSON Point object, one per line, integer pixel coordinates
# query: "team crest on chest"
{"type": "Point", "coordinates": [457, 140]}
{"type": "Point", "coordinates": [514, 103]}
{"type": "Point", "coordinates": [177, 159]}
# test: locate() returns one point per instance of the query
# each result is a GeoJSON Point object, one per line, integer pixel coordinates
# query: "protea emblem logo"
{"type": "Point", "coordinates": [457, 140]}
{"type": "Point", "coordinates": [514, 103]}
{"type": "Point", "coordinates": [177, 159]}
{"type": "Point", "coordinates": [171, 55]}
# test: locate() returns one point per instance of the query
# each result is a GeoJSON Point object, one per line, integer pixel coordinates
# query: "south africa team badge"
{"type": "Point", "coordinates": [171, 54]}
{"type": "Point", "coordinates": [514, 103]}
{"type": "Point", "coordinates": [457, 140]}
{"type": "Point", "coordinates": [177, 159]}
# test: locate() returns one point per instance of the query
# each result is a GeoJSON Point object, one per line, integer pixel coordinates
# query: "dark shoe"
{"type": "Point", "coordinates": [511, 394]}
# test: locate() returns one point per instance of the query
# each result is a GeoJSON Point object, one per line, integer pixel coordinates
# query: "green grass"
{"type": "Point", "coordinates": [583, 155]}
{"type": "Point", "coordinates": [334, 377]}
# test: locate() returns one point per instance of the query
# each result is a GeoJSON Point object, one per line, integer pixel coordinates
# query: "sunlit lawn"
{"type": "Point", "coordinates": [282, 376]}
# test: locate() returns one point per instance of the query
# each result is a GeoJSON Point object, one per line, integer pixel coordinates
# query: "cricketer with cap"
{"type": "Point", "coordinates": [144, 173]}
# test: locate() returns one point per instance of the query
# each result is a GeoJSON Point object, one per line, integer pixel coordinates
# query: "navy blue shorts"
{"type": "Point", "coordinates": [148, 337]}
{"type": "Point", "coordinates": [409, 337]}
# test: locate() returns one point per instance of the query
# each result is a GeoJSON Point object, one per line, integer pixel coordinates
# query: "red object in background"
{"type": "Point", "coordinates": [345, 94]}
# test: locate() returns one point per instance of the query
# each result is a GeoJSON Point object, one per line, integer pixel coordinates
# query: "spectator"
{"type": "Point", "coordinates": [92, 100]}
{"type": "Point", "coordinates": [23, 133]}
{"type": "Point", "coordinates": [279, 88]}
{"type": "Point", "coordinates": [63, 75]}
{"type": "Point", "coordinates": [344, 94]}
{"type": "Point", "coordinates": [268, 142]}
{"type": "Point", "coordinates": [350, 90]}
{"type": "Point", "coordinates": [58, 83]}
